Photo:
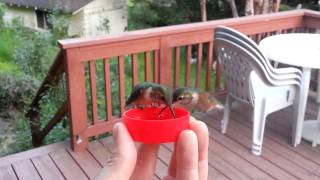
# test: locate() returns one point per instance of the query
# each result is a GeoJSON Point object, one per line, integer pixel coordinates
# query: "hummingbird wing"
{"type": "Point", "coordinates": [135, 94]}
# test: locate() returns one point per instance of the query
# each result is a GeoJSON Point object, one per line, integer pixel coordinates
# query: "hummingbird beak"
{"type": "Point", "coordinates": [172, 112]}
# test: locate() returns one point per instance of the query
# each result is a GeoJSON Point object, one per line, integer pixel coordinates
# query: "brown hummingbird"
{"type": "Point", "coordinates": [151, 94]}
{"type": "Point", "coordinates": [189, 98]}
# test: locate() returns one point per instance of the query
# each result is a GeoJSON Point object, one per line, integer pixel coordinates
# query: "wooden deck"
{"type": "Point", "coordinates": [229, 155]}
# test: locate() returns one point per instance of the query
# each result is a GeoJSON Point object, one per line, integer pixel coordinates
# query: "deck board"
{"type": "Point", "coordinates": [46, 168]}
{"type": "Point", "coordinates": [229, 154]}
{"type": "Point", "coordinates": [67, 165]}
{"type": "Point", "coordinates": [25, 170]}
{"type": "Point", "coordinates": [6, 172]}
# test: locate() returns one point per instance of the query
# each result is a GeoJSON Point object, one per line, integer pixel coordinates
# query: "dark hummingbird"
{"type": "Point", "coordinates": [151, 94]}
{"type": "Point", "coordinates": [189, 98]}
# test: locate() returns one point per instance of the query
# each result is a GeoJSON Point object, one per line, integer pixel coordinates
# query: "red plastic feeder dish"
{"type": "Point", "coordinates": [145, 125]}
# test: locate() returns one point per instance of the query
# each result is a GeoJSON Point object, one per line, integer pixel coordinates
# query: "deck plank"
{"type": "Point", "coordinates": [240, 150]}
{"type": "Point", "coordinates": [87, 163]}
{"type": "Point", "coordinates": [165, 156]}
{"type": "Point", "coordinates": [99, 152]}
{"type": "Point", "coordinates": [280, 131]}
{"type": "Point", "coordinates": [67, 165]}
{"type": "Point", "coordinates": [46, 168]}
{"type": "Point", "coordinates": [7, 160]}
{"type": "Point", "coordinates": [229, 155]}
{"type": "Point", "coordinates": [7, 173]}
{"type": "Point", "coordinates": [289, 152]}
{"type": "Point", "coordinates": [161, 169]}
{"type": "Point", "coordinates": [241, 164]}
{"type": "Point", "coordinates": [221, 165]}
{"type": "Point", "coordinates": [242, 134]}
{"type": "Point", "coordinates": [25, 170]}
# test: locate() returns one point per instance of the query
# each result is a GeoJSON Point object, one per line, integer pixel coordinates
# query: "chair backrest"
{"type": "Point", "coordinates": [239, 59]}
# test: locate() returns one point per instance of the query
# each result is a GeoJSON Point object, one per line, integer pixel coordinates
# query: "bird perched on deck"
{"type": "Point", "coordinates": [151, 94]}
{"type": "Point", "coordinates": [195, 99]}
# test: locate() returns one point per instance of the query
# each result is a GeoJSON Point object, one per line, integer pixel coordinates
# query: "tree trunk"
{"type": "Point", "coordinates": [249, 9]}
{"type": "Point", "coordinates": [203, 10]}
{"type": "Point", "coordinates": [233, 7]}
{"type": "Point", "coordinates": [276, 5]}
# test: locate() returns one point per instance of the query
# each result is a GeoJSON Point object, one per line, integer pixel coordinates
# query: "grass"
{"type": "Point", "coordinates": [8, 42]}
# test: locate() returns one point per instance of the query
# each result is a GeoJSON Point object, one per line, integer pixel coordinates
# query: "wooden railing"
{"type": "Point", "coordinates": [112, 65]}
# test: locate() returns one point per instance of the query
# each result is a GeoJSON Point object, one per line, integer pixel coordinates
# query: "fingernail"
{"type": "Point", "coordinates": [115, 131]}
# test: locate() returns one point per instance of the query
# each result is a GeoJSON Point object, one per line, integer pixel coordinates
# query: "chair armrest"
{"type": "Point", "coordinates": [288, 70]}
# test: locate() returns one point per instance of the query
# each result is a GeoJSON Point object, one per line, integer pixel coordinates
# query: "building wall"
{"type": "Point", "coordinates": [76, 27]}
{"type": "Point", "coordinates": [86, 22]}
{"type": "Point", "coordinates": [28, 16]}
{"type": "Point", "coordinates": [99, 11]}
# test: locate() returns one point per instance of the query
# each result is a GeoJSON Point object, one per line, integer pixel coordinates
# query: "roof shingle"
{"type": "Point", "coordinates": [64, 5]}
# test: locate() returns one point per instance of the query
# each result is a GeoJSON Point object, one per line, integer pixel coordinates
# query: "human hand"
{"type": "Point", "coordinates": [189, 159]}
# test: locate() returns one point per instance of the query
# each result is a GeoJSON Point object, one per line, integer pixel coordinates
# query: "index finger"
{"type": "Point", "coordinates": [201, 130]}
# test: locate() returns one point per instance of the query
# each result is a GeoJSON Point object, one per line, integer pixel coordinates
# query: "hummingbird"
{"type": "Point", "coordinates": [150, 94]}
{"type": "Point", "coordinates": [189, 98]}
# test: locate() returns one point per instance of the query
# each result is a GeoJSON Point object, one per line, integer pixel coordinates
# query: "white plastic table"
{"type": "Point", "coordinates": [302, 50]}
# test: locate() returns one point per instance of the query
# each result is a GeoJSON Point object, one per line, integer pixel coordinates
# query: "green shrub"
{"type": "Point", "coordinates": [35, 54]}
{"type": "Point", "coordinates": [2, 12]}
{"type": "Point", "coordinates": [16, 90]}
{"type": "Point", "coordinates": [59, 25]}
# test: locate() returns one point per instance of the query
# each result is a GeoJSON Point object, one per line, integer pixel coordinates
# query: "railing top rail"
{"type": "Point", "coordinates": [56, 68]}
{"type": "Point", "coordinates": [83, 42]}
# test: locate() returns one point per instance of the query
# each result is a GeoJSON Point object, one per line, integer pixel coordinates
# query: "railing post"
{"type": "Point", "coordinates": [76, 99]}
{"type": "Point", "coordinates": [165, 62]}
{"type": "Point", "coordinates": [34, 120]}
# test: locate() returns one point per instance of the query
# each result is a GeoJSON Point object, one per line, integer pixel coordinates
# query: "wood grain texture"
{"type": "Point", "coordinates": [177, 67]}
{"type": "Point", "coordinates": [199, 65]}
{"type": "Point", "coordinates": [147, 66]}
{"type": "Point", "coordinates": [121, 84]}
{"type": "Point", "coordinates": [76, 98]}
{"type": "Point", "coordinates": [135, 70]}
{"type": "Point", "coordinates": [7, 173]}
{"type": "Point", "coordinates": [86, 162]}
{"type": "Point", "coordinates": [229, 155]}
{"type": "Point", "coordinates": [46, 168]}
{"type": "Point", "coordinates": [188, 66]}
{"type": "Point", "coordinates": [209, 66]}
{"type": "Point", "coordinates": [25, 170]}
{"type": "Point", "coordinates": [67, 165]}
{"type": "Point", "coordinates": [93, 88]}
{"type": "Point", "coordinates": [107, 89]}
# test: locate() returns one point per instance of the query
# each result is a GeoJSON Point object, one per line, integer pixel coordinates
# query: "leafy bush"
{"type": "Point", "coordinates": [16, 90]}
{"type": "Point", "coordinates": [59, 25]}
{"type": "Point", "coordinates": [36, 53]}
{"type": "Point", "coordinates": [2, 11]}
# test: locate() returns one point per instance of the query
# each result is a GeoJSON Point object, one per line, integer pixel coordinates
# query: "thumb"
{"type": "Point", "coordinates": [122, 163]}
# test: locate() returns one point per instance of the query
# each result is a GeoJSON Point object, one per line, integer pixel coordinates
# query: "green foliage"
{"type": "Point", "coordinates": [149, 13]}
{"type": "Point", "coordinates": [59, 22]}
{"type": "Point", "coordinates": [306, 4]}
{"type": "Point", "coordinates": [144, 14]}
{"type": "Point", "coordinates": [36, 53]}
{"type": "Point", "coordinates": [16, 90]}
{"type": "Point", "coordinates": [8, 42]}
{"type": "Point", "coordinates": [2, 11]}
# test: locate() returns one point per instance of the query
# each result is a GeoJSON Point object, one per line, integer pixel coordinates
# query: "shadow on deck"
{"type": "Point", "coordinates": [229, 155]}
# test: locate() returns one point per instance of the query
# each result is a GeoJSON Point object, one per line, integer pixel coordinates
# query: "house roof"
{"type": "Point", "coordinates": [64, 5]}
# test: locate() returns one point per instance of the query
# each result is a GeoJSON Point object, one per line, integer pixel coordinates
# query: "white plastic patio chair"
{"type": "Point", "coordinates": [251, 80]}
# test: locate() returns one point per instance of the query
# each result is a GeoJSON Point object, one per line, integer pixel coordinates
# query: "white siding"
{"type": "Point", "coordinates": [99, 10]}
{"type": "Point", "coordinates": [28, 16]}
{"type": "Point", "coordinates": [76, 27]}
{"type": "Point", "coordinates": [86, 21]}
